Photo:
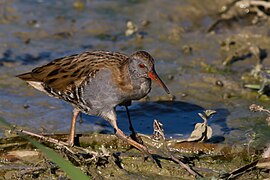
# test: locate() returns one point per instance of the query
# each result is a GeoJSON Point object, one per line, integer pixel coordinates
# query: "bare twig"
{"type": "Point", "coordinates": [57, 142]}
{"type": "Point", "coordinates": [242, 170]}
{"type": "Point", "coordinates": [265, 4]}
{"type": "Point", "coordinates": [48, 139]}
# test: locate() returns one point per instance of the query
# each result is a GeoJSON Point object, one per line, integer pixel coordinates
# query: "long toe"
{"type": "Point", "coordinates": [136, 138]}
{"type": "Point", "coordinates": [140, 147]}
{"type": "Point", "coordinates": [147, 155]}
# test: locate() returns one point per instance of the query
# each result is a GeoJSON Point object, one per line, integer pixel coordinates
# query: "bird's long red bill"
{"type": "Point", "coordinates": [153, 75]}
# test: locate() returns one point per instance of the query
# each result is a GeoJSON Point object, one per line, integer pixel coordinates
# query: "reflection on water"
{"type": "Point", "coordinates": [177, 117]}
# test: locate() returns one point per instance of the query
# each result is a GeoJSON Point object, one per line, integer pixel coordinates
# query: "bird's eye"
{"type": "Point", "coordinates": [141, 65]}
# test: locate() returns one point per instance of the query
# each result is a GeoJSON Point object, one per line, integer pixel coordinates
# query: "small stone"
{"type": "Point", "coordinates": [64, 34]}
{"type": "Point", "coordinates": [32, 22]}
{"type": "Point", "coordinates": [26, 106]}
{"type": "Point", "coordinates": [79, 4]}
{"type": "Point", "coordinates": [170, 77]}
{"type": "Point", "coordinates": [219, 83]}
{"type": "Point", "coordinates": [131, 28]}
{"type": "Point", "coordinates": [145, 23]}
{"type": "Point", "coordinates": [139, 36]}
{"type": "Point", "coordinates": [227, 95]}
{"type": "Point", "coordinates": [187, 49]}
{"type": "Point", "coordinates": [184, 95]}
{"type": "Point", "coordinates": [166, 97]}
{"type": "Point", "coordinates": [27, 41]}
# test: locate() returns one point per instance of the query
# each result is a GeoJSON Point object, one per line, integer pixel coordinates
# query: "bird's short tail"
{"type": "Point", "coordinates": [25, 76]}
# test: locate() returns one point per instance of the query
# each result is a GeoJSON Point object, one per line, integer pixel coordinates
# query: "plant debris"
{"type": "Point", "coordinates": [239, 9]}
{"type": "Point", "coordinates": [245, 52]}
{"type": "Point", "coordinates": [202, 132]}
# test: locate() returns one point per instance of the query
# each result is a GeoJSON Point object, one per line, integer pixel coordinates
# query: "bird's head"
{"type": "Point", "coordinates": [141, 64]}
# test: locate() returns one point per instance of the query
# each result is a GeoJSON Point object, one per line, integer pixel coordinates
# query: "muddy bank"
{"type": "Point", "coordinates": [123, 162]}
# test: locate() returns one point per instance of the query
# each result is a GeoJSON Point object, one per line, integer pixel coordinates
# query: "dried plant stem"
{"type": "Point", "coordinates": [255, 108]}
{"type": "Point", "coordinates": [48, 139]}
{"type": "Point", "coordinates": [265, 110]}
{"type": "Point", "coordinates": [260, 3]}
{"type": "Point", "coordinates": [58, 142]}
{"type": "Point", "coordinates": [191, 171]}
{"type": "Point", "coordinates": [242, 170]}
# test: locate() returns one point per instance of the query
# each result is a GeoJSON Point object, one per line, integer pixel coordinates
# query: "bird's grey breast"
{"type": "Point", "coordinates": [101, 92]}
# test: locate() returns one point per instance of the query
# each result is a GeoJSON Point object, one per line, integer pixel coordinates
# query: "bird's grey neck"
{"type": "Point", "coordinates": [141, 86]}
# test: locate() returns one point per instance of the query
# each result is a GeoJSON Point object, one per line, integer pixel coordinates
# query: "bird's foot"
{"type": "Point", "coordinates": [140, 147]}
{"type": "Point", "coordinates": [136, 138]}
{"type": "Point", "coordinates": [147, 154]}
{"type": "Point", "coordinates": [70, 141]}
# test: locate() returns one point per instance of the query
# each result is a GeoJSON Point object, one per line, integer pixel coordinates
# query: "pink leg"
{"type": "Point", "coordinates": [111, 117]}
{"type": "Point", "coordinates": [120, 134]}
{"type": "Point", "coordinates": [71, 137]}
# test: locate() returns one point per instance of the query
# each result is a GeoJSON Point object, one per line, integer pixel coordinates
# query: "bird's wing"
{"type": "Point", "coordinates": [65, 73]}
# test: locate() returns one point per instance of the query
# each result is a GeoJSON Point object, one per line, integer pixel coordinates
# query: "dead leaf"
{"type": "Point", "coordinates": [209, 113]}
{"type": "Point", "coordinates": [202, 132]}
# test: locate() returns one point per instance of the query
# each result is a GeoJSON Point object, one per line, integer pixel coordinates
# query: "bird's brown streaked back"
{"type": "Point", "coordinates": [63, 73]}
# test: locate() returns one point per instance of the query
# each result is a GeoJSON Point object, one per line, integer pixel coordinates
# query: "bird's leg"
{"type": "Point", "coordinates": [120, 134]}
{"type": "Point", "coordinates": [71, 137]}
{"type": "Point", "coordinates": [111, 117]}
{"type": "Point", "coordinates": [130, 123]}
{"type": "Point", "coordinates": [133, 132]}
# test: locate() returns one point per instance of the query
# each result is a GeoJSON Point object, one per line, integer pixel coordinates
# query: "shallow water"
{"type": "Point", "coordinates": [34, 32]}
